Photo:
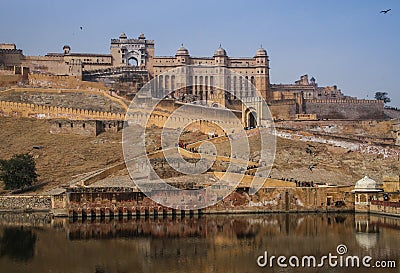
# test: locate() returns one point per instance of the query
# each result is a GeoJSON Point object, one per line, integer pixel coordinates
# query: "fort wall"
{"type": "Point", "coordinates": [364, 128]}
{"type": "Point", "coordinates": [85, 127]}
{"type": "Point", "coordinates": [64, 81]}
{"type": "Point", "coordinates": [15, 109]}
{"type": "Point", "coordinates": [92, 91]}
{"type": "Point", "coordinates": [5, 71]}
{"type": "Point", "coordinates": [10, 79]}
{"type": "Point", "coordinates": [46, 64]}
{"type": "Point", "coordinates": [11, 56]}
{"type": "Point", "coordinates": [283, 110]}
{"type": "Point", "coordinates": [345, 109]}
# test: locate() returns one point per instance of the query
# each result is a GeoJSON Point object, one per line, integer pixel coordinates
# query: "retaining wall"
{"type": "Point", "coordinates": [25, 202]}
{"type": "Point", "coordinates": [345, 109]}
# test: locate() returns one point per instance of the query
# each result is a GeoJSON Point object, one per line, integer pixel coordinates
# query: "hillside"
{"type": "Point", "coordinates": [65, 156]}
{"type": "Point", "coordinates": [62, 156]}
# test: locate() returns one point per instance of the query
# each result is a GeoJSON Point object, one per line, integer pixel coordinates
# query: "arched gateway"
{"type": "Point", "coordinates": [254, 112]}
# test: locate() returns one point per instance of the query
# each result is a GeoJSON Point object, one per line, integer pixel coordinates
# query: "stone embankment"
{"type": "Point", "coordinates": [25, 203]}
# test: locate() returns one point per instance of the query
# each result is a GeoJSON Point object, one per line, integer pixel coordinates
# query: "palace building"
{"type": "Point", "coordinates": [134, 60]}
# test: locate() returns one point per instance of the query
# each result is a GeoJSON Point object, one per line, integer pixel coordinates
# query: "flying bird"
{"type": "Point", "coordinates": [81, 28]}
{"type": "Point", "coordinates": [385, 11]}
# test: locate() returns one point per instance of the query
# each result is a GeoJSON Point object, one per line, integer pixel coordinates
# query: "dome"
{"type": "Point", "coordinates": [141, 36]}
{"type": "Point", "coordinates": [261, 52]}
{"type": "Point", "coordinates": [367, 184]}
{"type": "Point", "coordinates": [182, 51]}
{"type": "Point", "coordinates": [123, 36]}
{"type": "Point", "coordinates": [220, 52]}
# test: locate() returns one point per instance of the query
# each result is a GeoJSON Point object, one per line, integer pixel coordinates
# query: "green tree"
{"type": "Point", "coordinates": [382, 96]}
{"type": "Point", "coordinates": [18, 171]}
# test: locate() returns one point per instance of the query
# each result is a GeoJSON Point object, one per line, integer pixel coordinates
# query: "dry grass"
{"type": "Point", "coordinates": [65, 156]}
{"type": "Point", "coordinates": [62, 156]}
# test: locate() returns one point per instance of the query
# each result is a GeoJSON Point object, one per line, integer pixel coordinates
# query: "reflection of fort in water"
{"type": "Point", "coordinates": [246, 226]}
{"type": "Point", "coordinates": [184, 243]}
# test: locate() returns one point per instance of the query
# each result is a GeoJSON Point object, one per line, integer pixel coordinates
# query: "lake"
{"type": "Point", "coordinates": [206, 243]}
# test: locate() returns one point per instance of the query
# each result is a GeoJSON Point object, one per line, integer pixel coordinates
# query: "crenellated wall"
{"type": "Point", "coordinates": [48, 112]}
{"type": "Point", "coordinates": [15, 109]}
{"type": "Point", "coordinates": [91, 91]}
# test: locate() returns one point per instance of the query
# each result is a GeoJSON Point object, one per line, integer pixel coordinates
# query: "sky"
{"type": "Point", "coordinates": [347, 43]}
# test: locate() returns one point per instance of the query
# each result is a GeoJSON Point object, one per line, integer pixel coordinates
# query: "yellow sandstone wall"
{"type": "Point", "coordinates": [69, 82]}
{"type": "Point", "coordinates": [47, 112]}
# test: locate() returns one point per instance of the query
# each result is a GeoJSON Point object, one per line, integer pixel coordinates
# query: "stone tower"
{"type": "Point", "coordinates": [262, 73]}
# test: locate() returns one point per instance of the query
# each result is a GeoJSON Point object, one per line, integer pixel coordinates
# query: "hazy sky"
{"type": "Point", "coordinates": [343, 42]}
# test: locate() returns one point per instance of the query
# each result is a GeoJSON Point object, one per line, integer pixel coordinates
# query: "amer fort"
{"type": "Point", "coordinates": [334, 152]}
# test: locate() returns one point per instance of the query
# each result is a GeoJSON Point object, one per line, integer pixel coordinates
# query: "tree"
{"type": "Point", "coordinates": [382, 96]}
{"type": "Point", "coordinates": [19, 171]}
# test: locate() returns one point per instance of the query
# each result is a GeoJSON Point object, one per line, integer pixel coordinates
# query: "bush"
{"type": "Point", "coordinates": [18, 172]}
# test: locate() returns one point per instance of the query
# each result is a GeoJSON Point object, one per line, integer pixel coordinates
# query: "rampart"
{"type": "Point", "coordinates": [61, 90]}
{"type": "Point", "coordinates": [64, 81]}
{"type": "Point", "coordinates": [15, 109]}
{"type": "Point", "coordinates": [345, 109]}
{"type": "Point", "coordinates": [283, 110]}
{"type": "Point", "coordinates": [10, 79]}
{"type": "Point", "coordinates": [361, 128]}
{"type": "Point", "coordinates": [85, 127]}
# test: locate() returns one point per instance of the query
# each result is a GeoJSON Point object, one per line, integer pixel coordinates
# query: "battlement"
{"type": "Point", "coordinates": [117, 69]}
{"type": "Point", "coordinates": [132, 41]}
{"type": "Point", "coordinates": [282, 102]}
{"type": "Point", "coordinates": [46, 112]}
{"type": "Point", "coordinates": [16, 109]}
{"type": "Point", "coordinates": [350, 101]}
{"type": "Point", "coordinates": [11, 51]}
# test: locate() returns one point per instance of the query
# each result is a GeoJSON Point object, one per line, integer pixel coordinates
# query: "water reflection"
{"type": "Point", "coordinates": [17, 243]}
{"type": "Point", "coordinates": [241, 227]}
{"type": "Point", "coordinates": [367, 232]}
{"type": "Point", "coordinates": [191, 244]}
